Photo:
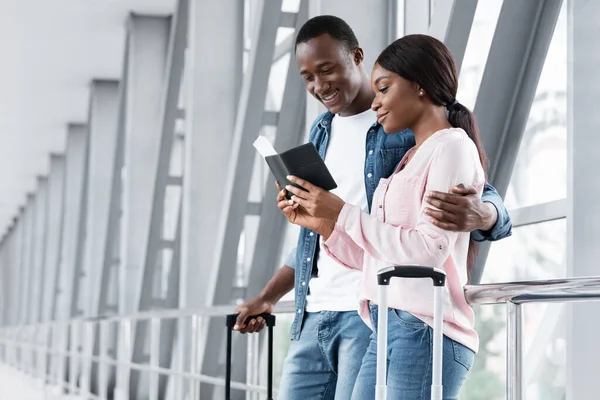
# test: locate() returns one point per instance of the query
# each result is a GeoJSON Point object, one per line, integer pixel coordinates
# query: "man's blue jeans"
{"type": "Point", "coordinates": [324, 363]}
{"type": "Point", "coordinates": [410, 348]}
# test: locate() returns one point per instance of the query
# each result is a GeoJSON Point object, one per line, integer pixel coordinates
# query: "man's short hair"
{"type": "Point", "coordinates": [335, 27]}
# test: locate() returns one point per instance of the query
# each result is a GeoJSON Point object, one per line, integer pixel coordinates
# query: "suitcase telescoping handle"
{"type": "Point", "coordinates": [230, 322]}
{"type": "Point", "coordinates": [383, 279]}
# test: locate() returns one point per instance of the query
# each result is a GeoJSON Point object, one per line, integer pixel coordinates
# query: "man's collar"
{"type": "Point", "coordinates": [325, 119]}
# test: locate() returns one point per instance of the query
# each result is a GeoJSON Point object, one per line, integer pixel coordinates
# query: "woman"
{"type": "Point", "coordinates": [415, 83]}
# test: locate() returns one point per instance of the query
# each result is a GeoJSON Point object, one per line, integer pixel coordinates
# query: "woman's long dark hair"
{"type": "Point", "coordinates": [427, 62]}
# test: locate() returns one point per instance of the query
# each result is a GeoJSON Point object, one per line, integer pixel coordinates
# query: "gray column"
{"type": "Point", "coordinates": [147, 45]}
{"type": "Point", "coordinates": [27, 259]}
{"type": "Point", "coordinates": [75, 161]}
{"type": "Point", "coordinates": [583, 217]}
{"type": "Point", "coordinates": [6, 275]}
{"type": "Point", "coordinates": [74, 185]}
{"type": "Point", "coordinates": [211, 104]}
{"type": "Point", "coordinates": [54, 235]}
{"type": "Point", "coordinates": [163, 234]}
{"type": "Point", "coordinates": [38, 248]}
{"type": "Point", "coordinates": [148, 40]}
{"type": "Point", "coordinates": [13, 289]}
{"type": "Point", "coordinates": [56, 181]}
{"type": "Point", "coordinates": [18, 265]}
{"type": "Point", "coordinates": [101, 154]}
{"type": "Point", "coordinates": [210, 121]}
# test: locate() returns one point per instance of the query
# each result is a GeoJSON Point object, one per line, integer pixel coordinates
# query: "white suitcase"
{"type": "Point", "coordinates": [383, 279]}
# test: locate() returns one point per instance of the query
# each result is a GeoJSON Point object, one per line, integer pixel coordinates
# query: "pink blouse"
{"type": "Point", "coordinates": [399, 233]}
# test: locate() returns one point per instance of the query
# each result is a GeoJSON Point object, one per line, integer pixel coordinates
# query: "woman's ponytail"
{"type": "Point", "coordinates": [460, 116]}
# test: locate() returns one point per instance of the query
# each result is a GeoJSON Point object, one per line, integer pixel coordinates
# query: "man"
{"type": "Point", "coordinates": [328, 337]}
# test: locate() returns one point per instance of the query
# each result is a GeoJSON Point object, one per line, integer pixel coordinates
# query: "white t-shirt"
{"type": "Point", "coordinates": [336, 287]}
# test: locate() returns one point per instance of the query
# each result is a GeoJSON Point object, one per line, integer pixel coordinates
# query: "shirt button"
{"type": "Point", "coordinates": [369, 175]}
{"type": "Point", "coordinates": [380, 206]}
{"type": "Point", "coordinates": [440, 247]}
{"type": "Point", "coordinates": [298, 311]}
{"type": "Point", "coordinates": [303, 283]}
{"type": "Point", "coordinates": [308, 259]}
{"type": "Point", "coordinates": [311, 234]}
{"type": "Point", "coordinates": [370, 152]}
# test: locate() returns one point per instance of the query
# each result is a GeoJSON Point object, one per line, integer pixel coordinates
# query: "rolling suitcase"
{"type": "Point", "coordinates": [383, 280]}
{"type": "Point", "coordinates": [230, 322]}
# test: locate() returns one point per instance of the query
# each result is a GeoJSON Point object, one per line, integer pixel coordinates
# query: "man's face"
{"type": "Point", "coordinates": [331, 73]}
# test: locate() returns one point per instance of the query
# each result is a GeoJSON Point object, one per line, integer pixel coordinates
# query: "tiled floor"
{"type": "Point", "coordinates": [15, 385]}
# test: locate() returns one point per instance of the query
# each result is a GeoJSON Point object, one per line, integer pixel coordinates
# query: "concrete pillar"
{"type": "Point", "coordinates": [583, 218]}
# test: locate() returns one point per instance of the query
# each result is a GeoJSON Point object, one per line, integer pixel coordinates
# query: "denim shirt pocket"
{"type": "Point", "coordinates": [390, 159]}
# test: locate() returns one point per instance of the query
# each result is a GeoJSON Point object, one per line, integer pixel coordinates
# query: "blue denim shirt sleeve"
{"type": "Point", "coordinates": [503, 227]}
{"type": "Point", "coordinates": [290, 259]}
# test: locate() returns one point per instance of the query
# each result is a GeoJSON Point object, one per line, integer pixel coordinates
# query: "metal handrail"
{"type": "Point", "coordinates": [537, 291]}
{"type": "Point", "coordinates": [555, 290]}
{"type": "Point", "coordinates": [512, 294]}
{"type": "Point", "coordinates": [282, 307]}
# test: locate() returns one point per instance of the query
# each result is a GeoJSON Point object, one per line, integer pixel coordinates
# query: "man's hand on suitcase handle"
{"type": "Point", "coordinates": [246, 310]}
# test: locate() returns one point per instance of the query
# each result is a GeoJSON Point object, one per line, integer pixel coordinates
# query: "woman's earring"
{"type": "Point", "coordinates": [420, 93]}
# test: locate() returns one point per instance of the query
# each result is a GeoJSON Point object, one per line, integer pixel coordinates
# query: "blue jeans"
{"type": "Point", "coordinates": [324, 362]}
{"type": "Point", "coordinates": [410, 348]}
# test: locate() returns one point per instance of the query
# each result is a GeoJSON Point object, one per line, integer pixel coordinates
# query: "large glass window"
{"type": "Point", "coordinates": [535, 251]}
{"type": "Point", "coordinates": [477, 50]}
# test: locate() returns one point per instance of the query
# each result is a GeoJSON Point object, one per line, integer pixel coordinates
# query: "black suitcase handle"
{"type": "Point", "coordinates": [411, 271]}
{"type": "Point", "coordinates": [230, 322]}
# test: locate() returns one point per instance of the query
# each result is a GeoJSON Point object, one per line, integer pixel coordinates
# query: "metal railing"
{"type": "Point", "coordinates": [46, 350]}
{"type": "Point", "coordinates": [514, 295]}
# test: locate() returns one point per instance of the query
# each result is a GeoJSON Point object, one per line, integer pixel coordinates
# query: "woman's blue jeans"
{"type": "Point", "coordinates": [410, 349]}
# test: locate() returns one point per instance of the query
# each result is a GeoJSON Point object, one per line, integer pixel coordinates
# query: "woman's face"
{"type": "Point", "coordinates": [398, 102]}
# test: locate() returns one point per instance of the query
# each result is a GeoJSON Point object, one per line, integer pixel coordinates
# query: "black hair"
{"type": "Point", "coordinates": [335, 27]}
{"type": "Point", "coordinates": [426, 61]}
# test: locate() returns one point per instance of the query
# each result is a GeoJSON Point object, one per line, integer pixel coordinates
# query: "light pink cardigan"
{"type": "Point", "coordinates": [398, 233]}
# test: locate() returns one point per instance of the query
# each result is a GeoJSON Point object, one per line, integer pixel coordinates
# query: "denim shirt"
{"type": "Point", "coordinates": [383, 153]}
